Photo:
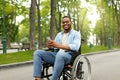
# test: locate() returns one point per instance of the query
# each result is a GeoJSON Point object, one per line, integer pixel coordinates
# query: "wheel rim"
{"type": "Point", "coordinates": [81, 69]}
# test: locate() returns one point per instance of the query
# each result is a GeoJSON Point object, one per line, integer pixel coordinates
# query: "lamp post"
{"type": "Point", "coordinates": [109, 36]}
{"type": "Point", "coordinates": [3, 30]}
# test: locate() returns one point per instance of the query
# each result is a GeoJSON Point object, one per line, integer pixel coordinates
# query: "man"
{"type": "Point", "coordinates": [64, 44]}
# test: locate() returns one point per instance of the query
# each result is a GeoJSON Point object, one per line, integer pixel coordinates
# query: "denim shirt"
{"type": "Point", "coordinates": [74, 39]}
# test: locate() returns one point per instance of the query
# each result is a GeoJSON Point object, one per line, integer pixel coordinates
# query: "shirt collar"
{"type": "Point", "coordinates": [69, 32]}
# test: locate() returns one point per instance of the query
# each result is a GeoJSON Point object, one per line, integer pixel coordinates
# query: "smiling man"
{"type": "Point", "coordinates": [64, 44]}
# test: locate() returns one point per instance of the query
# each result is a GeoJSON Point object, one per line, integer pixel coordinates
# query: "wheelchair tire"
{"type": "Point", "coordinates": [81, 69]}
{"type": "Point", "coordinates": [63, 77]}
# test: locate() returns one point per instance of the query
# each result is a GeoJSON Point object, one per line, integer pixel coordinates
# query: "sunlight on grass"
{"type": "Point", "coordinates": [28, 55]}
{"type": "Point", "coordinates": [87, 49]}
{"type": "Point", "coordinates": [16, 57]}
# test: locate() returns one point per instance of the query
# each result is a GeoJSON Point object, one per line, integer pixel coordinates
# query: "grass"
{"type": "Point", "coordinates": [28, 55]}
{"type": "Point", "coordinates": [16, 57]}
{"type": "Point", "coordinates": [87, 49]}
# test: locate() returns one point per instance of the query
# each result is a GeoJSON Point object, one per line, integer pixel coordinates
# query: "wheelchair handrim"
{"type": "Point", "coordinates": [77, 60]}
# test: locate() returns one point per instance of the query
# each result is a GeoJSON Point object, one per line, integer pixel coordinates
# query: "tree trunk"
{"type": "Point", "coordinates": [52, 20]}
{"type": "Point", "coordinates": [101, 37]}
{"type": "Point", "coordinates": [58, 25]}
{"type": "Point", "coordinates": [39, 27]}
{"type": "Point", "coordinates": [82, 23]}
{"type": "Point", "coordinates": [104, 28]}
{"type": "Point", "coordinates": [10, 31]}
{"type": "Point", "coordinates": [32, 25]}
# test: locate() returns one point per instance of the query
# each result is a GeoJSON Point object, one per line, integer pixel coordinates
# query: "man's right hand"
{"type": "Point", "coordinates": [49, 44]}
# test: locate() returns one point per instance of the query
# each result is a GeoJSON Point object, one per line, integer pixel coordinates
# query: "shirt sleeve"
{"type": "Point", "coordinates": [57, 38]}
{"type": "Point", "coordinates": [76, 42]}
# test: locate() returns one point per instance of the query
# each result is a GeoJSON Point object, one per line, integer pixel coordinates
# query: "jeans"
{"type": "Point", "coordinates": [59, 59]}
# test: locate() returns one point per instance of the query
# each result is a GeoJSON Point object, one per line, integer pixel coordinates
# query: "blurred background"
{"type": "Point", "coordinates": [27, 23]}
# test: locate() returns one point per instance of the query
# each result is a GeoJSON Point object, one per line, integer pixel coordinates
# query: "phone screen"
{"type": "Point", "coordinates": [48, 38]}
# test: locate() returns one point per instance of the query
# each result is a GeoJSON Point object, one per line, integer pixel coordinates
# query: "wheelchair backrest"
{"type": "Point", "coordinates": [75, 54]}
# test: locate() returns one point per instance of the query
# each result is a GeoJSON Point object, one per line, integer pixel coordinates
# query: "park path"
{"type": "Point", "coordinates": [105, 66]}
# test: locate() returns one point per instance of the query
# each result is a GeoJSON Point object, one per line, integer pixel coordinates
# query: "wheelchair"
{"type": "Point", "coordinates": [78, 69]}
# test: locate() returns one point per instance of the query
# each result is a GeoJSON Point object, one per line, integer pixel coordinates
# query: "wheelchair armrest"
{"type": "Point", "coordinates": [48, 49]}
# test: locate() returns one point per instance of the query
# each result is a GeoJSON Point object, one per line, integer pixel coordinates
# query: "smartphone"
{"type": "Point", "coordinates": [48, 38]}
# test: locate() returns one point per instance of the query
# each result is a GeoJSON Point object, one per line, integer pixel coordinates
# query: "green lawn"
{"type": "Point", "coordinates": [16, 57]}
{"type": "Point", "coordinates": [28, 55]}
{"type": "Point", "coordinates": [87, 49]}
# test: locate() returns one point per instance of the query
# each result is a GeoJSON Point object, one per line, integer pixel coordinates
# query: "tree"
{"type": "Point", "coordinates": [117, 12]}
{"type": "Point", "coordinates": [39, 24]}
{"type": "Point", "coordinates": [32, 24]}
{"type": "Point", "coordinates": [11, 27]}
{"type": "Point", "coordinates": [52, 19]}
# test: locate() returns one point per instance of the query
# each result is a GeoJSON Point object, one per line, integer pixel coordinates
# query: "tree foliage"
{"type": "Point", "coordinates": [47, 20]}
{"type": "Point", "coordinates": [110, 22]}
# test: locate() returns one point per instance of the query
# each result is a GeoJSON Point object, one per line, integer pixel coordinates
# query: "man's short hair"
{"type": "Point", "coordinates": [67, 17]}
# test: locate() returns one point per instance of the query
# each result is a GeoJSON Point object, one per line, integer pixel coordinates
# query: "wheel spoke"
{"type": "Point", "coordinates": [81, 69]}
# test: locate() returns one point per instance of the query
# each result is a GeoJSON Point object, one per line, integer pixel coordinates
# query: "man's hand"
{"type": "Point", "coordinates": [53, 44]}
{"type": "Point", "coordinates": [49, 44]}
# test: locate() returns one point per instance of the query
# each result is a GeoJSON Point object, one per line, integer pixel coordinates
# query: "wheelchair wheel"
{"type": "Point", "coordinates": [81, 69]}
{"type": "Point", "coordinates": [46, 71]}
{"type": "Point", "coordinates": [62, 77]}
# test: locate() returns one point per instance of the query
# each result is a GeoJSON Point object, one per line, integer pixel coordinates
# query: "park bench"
{"type": "Point", "coordinates": [15, 46]}
{"type": "Point", "coordinates": [0, 46]}
{"type": "Point", "coordinates": [25, 46]}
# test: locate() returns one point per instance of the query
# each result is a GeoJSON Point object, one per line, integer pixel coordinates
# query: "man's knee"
{"type": "Point", "coordinates": [37, 52]}
{"type": "Point", "coordinates": [60, 55]}
{"type": "Point", "coordinates": [63, 57]}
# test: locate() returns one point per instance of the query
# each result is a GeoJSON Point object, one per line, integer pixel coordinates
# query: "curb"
{"type": "Point", "coordinates": [101, 52]}
{"type": "Point", "coordinates": [19, 64]}
{"type": "Point", "coordinates": [6, 66]}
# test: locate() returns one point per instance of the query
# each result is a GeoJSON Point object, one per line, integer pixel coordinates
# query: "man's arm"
{"type": "Point", "coordinates": [75, 42]}
{"type": "Point", "coordinates": [59, 46]}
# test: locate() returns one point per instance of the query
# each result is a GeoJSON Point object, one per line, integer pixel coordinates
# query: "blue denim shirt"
{"type": "Point", "coordinates": [74, 39]}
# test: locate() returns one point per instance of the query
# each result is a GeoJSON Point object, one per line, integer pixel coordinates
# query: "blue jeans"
{"type": "Point", "coordinates": [59, 59]}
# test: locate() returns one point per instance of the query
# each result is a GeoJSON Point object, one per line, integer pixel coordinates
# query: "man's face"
{"type": "Point", "coordinates": [66, 23]}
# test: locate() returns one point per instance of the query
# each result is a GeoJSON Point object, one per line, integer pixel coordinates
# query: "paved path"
{"type": "Point", "coordinates": [17, 73]}
{"type": "Point", "coordinates": [105, 66]}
